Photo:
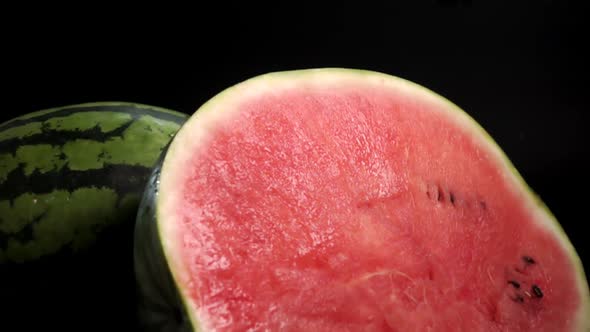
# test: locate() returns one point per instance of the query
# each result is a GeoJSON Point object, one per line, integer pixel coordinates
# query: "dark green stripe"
{"type": "Point", "coordinates": [24, 235]}
{"type": "Point", "coordinates": [133, 110]}
{"type": "Point", "coordinates": [60, 137]}
{"type": "Point", "coordinates": [121, 178]}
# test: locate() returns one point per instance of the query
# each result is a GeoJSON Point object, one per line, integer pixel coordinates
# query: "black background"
{"type": "Point", "coordinates": [518, 67]}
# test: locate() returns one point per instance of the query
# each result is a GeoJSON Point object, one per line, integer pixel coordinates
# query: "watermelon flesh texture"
{"type": "Point", "coordinates": [340, 200]}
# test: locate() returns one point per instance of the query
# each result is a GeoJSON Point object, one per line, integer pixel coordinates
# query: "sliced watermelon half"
{"type": "Point", "coordinates": [348, 200]}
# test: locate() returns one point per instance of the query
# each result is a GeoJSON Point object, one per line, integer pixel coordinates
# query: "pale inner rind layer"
{"type": "Point", "coordinates": [192, 140]}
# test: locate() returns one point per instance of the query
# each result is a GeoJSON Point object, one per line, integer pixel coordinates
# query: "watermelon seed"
{"type": "Point", "coordinates": [518, 299]}
{"type": "Point", "coordinates": [441, 194]}
{"type": "Point", "coordinates": [515, 284]}
{"type": "Point", "coordinates": [430, 191]}
{"type": "Point", "coordinates": [452, 197]}
{"type": "Point", "coordinates": [528, 260]}
{"type": "Point", "coordinates": [537, 291]}
{"type": "Point", "coordinates": [483, 205]}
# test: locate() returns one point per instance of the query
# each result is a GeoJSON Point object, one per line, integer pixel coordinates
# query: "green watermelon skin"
{"type": "Point", "coordinates": [160, 307]}
{"type": "Point", "coordinates": [71, 179]}
{"type": "Point", "coordinates": [66, 173]}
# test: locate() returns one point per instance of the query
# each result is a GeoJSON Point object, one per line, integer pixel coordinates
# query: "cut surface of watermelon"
{"type": "Point", "coordinates": [347, 200]}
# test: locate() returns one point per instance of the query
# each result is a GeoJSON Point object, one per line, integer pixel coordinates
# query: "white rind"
{"type": "Point", "coordinates": [194, 134]}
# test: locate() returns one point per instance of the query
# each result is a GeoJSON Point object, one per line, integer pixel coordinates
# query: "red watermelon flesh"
{"type": "Point", "coordinates": [343, 200]}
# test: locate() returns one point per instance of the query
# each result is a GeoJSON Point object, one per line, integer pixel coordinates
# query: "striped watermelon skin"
{"type": "Point", "coordinates": [71, 180]}
{"type": "Point", "coordinates": [67, 173]}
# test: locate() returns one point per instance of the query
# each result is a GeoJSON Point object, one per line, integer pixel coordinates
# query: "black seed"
{"type": "Point", "coordinates": [518, 298]}
{"type": "Point", "coordinates": [528, 260]}
{"type": "Point", "coordinates": [537, 291]}
{"type": "Point", "coordinates": [514, 283]}
{"type": "Point", "coordinates": [441, 194]}
{"type": "Point", "coordinates": [452, 197]}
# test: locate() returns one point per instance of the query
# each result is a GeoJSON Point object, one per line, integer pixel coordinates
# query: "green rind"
{"type": "Point", "coordinates": [37, 220]}
{"type": "Point", "coordinates": [478, 133]}
{"type": "Point", "coordinates": [91, 105]}
{"type": "Point", "coordinates": [50, 211]}
{"type": "Point", "coordinates": [160, 306]}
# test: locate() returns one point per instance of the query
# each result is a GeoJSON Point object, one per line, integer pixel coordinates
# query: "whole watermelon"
{"type": "Point", "coordinates": [70, 183]}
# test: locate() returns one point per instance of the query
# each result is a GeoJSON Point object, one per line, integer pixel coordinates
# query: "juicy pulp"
{"type": "Point", "coordinates": [335, 200]}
